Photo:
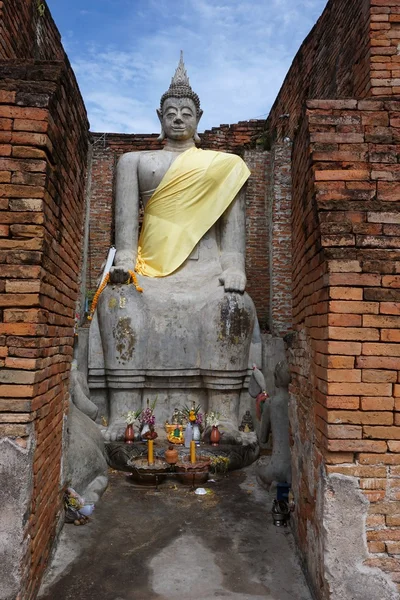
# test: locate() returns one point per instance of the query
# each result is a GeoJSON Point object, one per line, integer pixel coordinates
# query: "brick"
{"type": "Point", "coordinates": [382, 433]}
{"type": "Point", "coordinates": [20, 363]}
{"type": "Point", "coordinates": [381, 321]}
{"type": "Point", "coordinates": [359, 471]}
{"type": "Point", "coordinates": [22, 329]}
{"type": "Point", "coordinates": [343, 375]}
{"type": "Point", "coordinates": [344, 348]}
{"type": "Point", "coordinates": [7, 97]}
{"type": "Point", "coordinates": [26, 152]}
{"type": "Point", "coordinates": [344, 266]}
{"type": "Point", "coordinates": [353, 333]}
{"type": "Point", "coordinates": [341, 431]}
{"type": "Point", "coordinates": [354, 307]}
{"type": "Point", "coordinates": [391, 281]}
{"type": "Point", "coordinates": [342, 293]}
{"type": "Point", "coordinates": [342, 175]}
{"type": "Point", "coordinates": [379, 459]}
{"type": "Point", "coordinates": [353, 279]}
{"type": "Point", "coordinates": [374, 495]}
{"type": "Point", "coordinates": [16, 391]}
{"type": "Point", "coordinates": [344, 320]}
{"type": "Point", "coordinates": [373, 484]}
{"type": "Point", "coordinates": [337, 458]}
{"type": "Point", "coordinates": [377, 362]}
{"type": "Point", "coordinates": [24, 286]}
{"type": "Point", "coordinates": [390, 335]}
{"type": "Point", "coordinates": [359, 389]}
{"type": "Point", "coordinates": [384, 534]}
{"type": "Point", "coordinates": [370, 446]}
{"type": "Point", "coordinates": [390, 308]}
{"type": "Point", "coordinates": [16, 112]}
{"type": "Point", "coordinates": [26, 204]}
{"type": "Point", "coordinates": [377, 376]}
{"type": "Point", "coordinates": [356, 417]}
{"type": "Point", "coordinates": [344, 402]}
{"type": "Point", "coordinates": [376, 547]}
{"type": "Point", "coordinates": [14, 430]}
{"type": "Point", "coordinates": [21, 191]}
{"type": "Point", "coordinates": [19, 300]}
{"type": "Point", "coordinates": [30, 125]}
{"type": "Point", "coordinates": [376, 349]}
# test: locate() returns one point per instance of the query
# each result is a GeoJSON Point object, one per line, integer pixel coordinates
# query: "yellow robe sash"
{"type": "Point", "coordinates": [194, 192]}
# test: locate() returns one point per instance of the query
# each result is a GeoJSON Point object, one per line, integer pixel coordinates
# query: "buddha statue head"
{"type": "Point", "coordinates": [179, 111]}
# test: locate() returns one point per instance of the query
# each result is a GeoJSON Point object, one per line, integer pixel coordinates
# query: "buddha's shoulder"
{"type": "Point", "coordinates": [133, 158]}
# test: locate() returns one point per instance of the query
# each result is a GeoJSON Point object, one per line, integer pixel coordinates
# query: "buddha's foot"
{"type": "Point", "coordinates": [115, 432]}
{"type": "Point", "coordinates": [230, 435]}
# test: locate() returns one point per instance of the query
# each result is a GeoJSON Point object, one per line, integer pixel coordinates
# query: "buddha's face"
{"type": "Point", "coordinates": [179, 119]}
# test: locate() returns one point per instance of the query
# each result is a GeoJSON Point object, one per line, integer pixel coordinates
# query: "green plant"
{"type": "Point", "coordinates": [41, 8]}
{"type": "Point", "coordinates": [219, 464]}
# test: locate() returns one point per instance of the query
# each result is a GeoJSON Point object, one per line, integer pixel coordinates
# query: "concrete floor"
{"type": "Point", "coordinates": [144, 545]}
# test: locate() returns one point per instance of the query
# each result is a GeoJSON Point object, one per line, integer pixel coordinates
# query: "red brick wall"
{"type": "Point", "coordinates": [345, 215]}
{"type": "Point", "coordinates": [345, 355]}
{"type": "Point", "coordinates": [385, 37]}
{"type": "Point", "coordinates": [333, 62]}
{"type": "Point", "coordinates": [279, 186]}
{"type": "Point", "coordinates": [43, 150]}
{"type": "Point", "coordinates": [257, 234]}
{"type": "Point", "coordinates": [229, 138]}
{"type": "Point", "coordinates": [27, 33]}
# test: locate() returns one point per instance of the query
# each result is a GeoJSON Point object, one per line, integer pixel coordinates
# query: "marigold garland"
{"type": "Point", "coordinates": [132, 279]}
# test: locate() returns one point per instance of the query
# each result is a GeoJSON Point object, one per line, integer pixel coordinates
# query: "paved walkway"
{"type": "Point", "coordinates": [144, 545]}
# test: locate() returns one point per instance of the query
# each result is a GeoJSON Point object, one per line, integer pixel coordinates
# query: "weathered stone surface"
{"type": "Point", "coordinates": [85, 454]}
{"type": "Point", "coordinates": [275, 419]}
{"type": "Point", "coordinates": [16, 478]}
{"type": "Point", "coordinates": [344, 513]}
{"type": "Point", "coordinates": [191, 328]}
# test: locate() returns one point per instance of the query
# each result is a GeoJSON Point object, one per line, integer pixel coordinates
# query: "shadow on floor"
{"type": "Point", "coordinates": [144, 545]}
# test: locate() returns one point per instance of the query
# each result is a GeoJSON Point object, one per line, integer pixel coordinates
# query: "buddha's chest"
{"type": "Point", "coordinates": [151, 169]}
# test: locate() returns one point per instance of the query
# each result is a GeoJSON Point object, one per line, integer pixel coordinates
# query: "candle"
{"type": "Point", "coordinates": [150, 452]}
{"type": "Point", "coordinates": [192, 452]}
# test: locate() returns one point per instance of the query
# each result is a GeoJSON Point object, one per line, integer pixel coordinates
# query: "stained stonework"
{"type": "Point", "coordinates": [343, 353]}
{"type": "Point", "coordinates": [43, 150]}
{"type": "Point", "coordinates": [333, 275]}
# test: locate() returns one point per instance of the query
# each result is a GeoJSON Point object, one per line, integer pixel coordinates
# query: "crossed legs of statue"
{"type": "Point", "coordinates": [143, 336]}
{"type": "Point", "coordinates": [224, 402]}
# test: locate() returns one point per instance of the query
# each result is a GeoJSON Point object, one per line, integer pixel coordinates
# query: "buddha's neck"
{"type": "Point", "coordinates": [178, 146]}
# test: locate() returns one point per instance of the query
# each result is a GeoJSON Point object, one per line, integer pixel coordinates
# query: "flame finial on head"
{"type": "Point", "coordinates": [180, 87]}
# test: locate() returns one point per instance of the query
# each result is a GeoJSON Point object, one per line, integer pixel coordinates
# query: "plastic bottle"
{"type": "Point", "coordinates": [188, 435]}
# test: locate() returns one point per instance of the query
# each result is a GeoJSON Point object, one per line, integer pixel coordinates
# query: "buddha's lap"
{"type": "Point", "coordinates": [206, 329]}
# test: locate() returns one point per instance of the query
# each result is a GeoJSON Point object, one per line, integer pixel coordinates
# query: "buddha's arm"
{"type": "Point", "coordinates": [233, 245]}
{"type": "Point", "coordinates": [126, 212]}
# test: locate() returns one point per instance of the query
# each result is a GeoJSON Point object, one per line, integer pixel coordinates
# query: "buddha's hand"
{"type": "Point", "coordinates": [123, 263]}
{"type": "Point", "coordinates": [119, 275]}
{"type": "Point", "coordinates": [233, 280]}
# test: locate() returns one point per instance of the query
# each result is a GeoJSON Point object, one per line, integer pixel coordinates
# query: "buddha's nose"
{"type": "Point", "coordinates": [178, 120]}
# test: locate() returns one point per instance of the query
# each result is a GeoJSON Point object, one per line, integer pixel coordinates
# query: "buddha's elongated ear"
{"type": "Point", "coordinates": [161, 137]}
{"type": "Point", "coordinates": [196, 135]}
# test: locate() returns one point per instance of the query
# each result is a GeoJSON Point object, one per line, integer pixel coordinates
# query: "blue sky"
{"type": "Point", "coordinates": [124, 53]}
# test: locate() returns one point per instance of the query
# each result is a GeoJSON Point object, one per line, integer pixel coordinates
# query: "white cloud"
{"type": "Point", "coordinates": [237, 54]}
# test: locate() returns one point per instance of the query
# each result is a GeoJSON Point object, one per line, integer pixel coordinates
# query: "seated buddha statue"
{"type": "Point", "coordinates": [186, 336]}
